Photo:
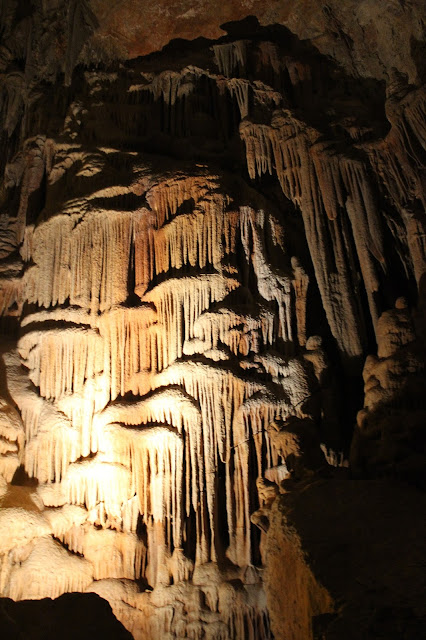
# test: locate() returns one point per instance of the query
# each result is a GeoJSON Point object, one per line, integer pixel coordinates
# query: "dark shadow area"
{"type": "Point", "coordinates": [418, 52]}
{"type": "Point", "coordinates": [363, 540]}
{"type": "Point", "coordinates": [85, 616]}
{"type": "Point", "coordinates": [22, 479]}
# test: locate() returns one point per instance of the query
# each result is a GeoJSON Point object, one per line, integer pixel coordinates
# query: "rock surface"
{"type": "Point", "coordinates": [353, 568]}
{"type": "Point", "coordinates": [367, 38]}
{"type": "Point", "coordinates": [201, 252]}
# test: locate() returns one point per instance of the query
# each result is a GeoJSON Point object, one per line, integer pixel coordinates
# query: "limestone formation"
{"type": "Point", "coordinates": [200, 250]}
{"type": "Point", "coordinates": [390, 426]}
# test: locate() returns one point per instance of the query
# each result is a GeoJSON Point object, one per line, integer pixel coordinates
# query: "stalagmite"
{"type": "Point", "coordinates": [393, 386]}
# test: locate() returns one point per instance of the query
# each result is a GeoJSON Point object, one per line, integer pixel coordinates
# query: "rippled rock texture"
{"type": "Point", "coordinates": [198, 250]}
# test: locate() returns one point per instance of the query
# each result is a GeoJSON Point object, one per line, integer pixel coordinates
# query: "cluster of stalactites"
{"type": "Point", "coordinates": [61, 360]}
{"type": "Point", "coordinates": [241, 333]}
{"type": "Point", "coordinates": [229, 424]}
{"type": "Point", "coordinates": [339, 210]}
{"type": "Point", "coordinates": [123, 349]}
{"type": "Point", "coordinates": [175, 88]}
{"type": "Point", "coordinates": [84, 262]}
{"type": "Point", "coordinates": [179, 302]}
{"type": "Point", "coordinates": [273, 285]}
{"type": "Point", "coordinates": [230, 56]}
{"type": "Point", "coordinates": [113, 554]}
{"type": "Point", "coordinates": [119, 424]}
{"type": "Point", "coordinates": [398, 161]}
{"type": "Point", "coordinates": [212, 605]}
{"type": "Point", "coordinates": [167, 239]}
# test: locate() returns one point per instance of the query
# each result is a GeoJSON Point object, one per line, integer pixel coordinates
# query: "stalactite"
{"type": "Point", "coordinates": [127, 345]}
{"type": "Point", "coordinates": [300, 286]}
{"type": "Point", "coordinates": [247, 622]}
{"type": "Point", "coordinates": [99, 258]}
{"type": "Point", "coordinates": [272, 284]}
{"type": "Point", "coordinates": [230, 56]}
{"type": "Point", "coordinates": [240, 88]}
{"type": "Point", "coordinates": [166, 197]}
{"type": "Point", "coordinates": [289, 144]}
{"type": "Point", "coordinates": [265, 97]}
{"type": "Point", "coordinates": [112, 554]}
{"type": "Point", "coordinates": [156, 460]}
{"type": "Point", "coordinates": [91, 482]}
{"type": "Point", "coordinates": [50, 452]}
{"type": "Point", "coordinates": [258, 148]}
{"type": "Point", "coordinates": [31, 180]}
{"type": "Point", "coordinates": [8, 241]}
{"type": "Point", "coordinates": [179, 302]}
{"type": "Point", "coordinates": [165, 406]}
{"type": "Point", "coordinates": [193, 239]}
{"type": "Point", "coordinates": [366, 229]}
{"type": "Point", "coordinates": [47, 283]}
{"type": "Point", "coordinates": [64, 518]}
{"type": "Point", "coordinates": [51, 441]}
{"type": "Point", "coordinates": [29, 403]}
{"type": "Point", "coordinates": [81, 407]}
{"type": "Point", "coordinates": [242, 333]}
{"type": "Point", "coordinates": [189, 240]}
{"type": "Point", "coordinates": [12, 438]}
{"type": "Point", "coordinates": [174, 85]}
{"type": "Point", "coordinates": [396, 159]}
{"type": "Point", "coordinates": [61, 360]}
{"type": "Point", "coordinates": [220, 395]}
{"type": "Point", "coordinates": [73, 257]}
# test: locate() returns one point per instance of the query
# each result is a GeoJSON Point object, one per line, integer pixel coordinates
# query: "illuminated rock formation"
{"type": "Point", "coordinates": [146, 422]}
{"type": "Point", "coordinates": [192, 245]}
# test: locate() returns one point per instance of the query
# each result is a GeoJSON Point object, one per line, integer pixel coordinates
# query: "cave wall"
{"type": "Point", "coordinates": [199, 248]}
